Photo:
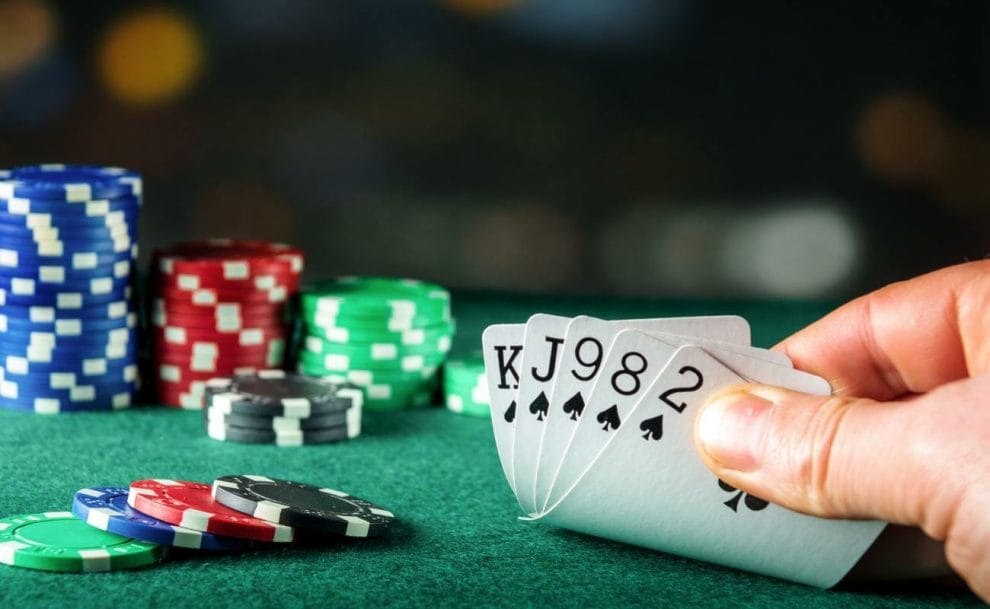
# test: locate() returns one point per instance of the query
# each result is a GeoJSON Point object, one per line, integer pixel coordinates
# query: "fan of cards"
{"type": "Point", "coordinates": [594, 421]}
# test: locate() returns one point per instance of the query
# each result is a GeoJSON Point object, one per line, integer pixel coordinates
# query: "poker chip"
{"type": "Point", "coordinates": [218, 307]}
{"type": "Point", "coordinates": [68, 322]}
{"type": "Point", "coordinates": [313, 422]}
{"type": "Point", "coordinates": [69, 183]}
{"type": "Point", "coordinates": [388, 336]}
{"type": "Point", "coordinates": [106, 508]}
{"type": "Point", "coordinates": [278, 393]}
{"type": "Point", "coordinates": [191, 505]}
{"type": "Point", "coordinates": [465, 386]}
{"type": "Point", "coordinates": [302, 505]}
{"type": "Point", "coordinates": [58, 541]}
{"type": "Point", "coordinates": [278, 437]}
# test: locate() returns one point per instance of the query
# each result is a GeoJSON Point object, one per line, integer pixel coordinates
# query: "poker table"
{"type": "Point", "coordinates": [456, 541]}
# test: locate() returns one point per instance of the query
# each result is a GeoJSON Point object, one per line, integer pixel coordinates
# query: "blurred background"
{"type": "Point", "coordinates": [628, 147]}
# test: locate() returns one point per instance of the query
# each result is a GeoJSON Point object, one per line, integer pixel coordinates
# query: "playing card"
{"type": "Point", "coordinates": [541, 354]}
{"type": "Point", "coordinates": [501, 349]}
{"type": "Point", "coordinates": [583, 353]}
{"type": "Point", "coordinates": [632, 361]}
{"type": "Point", "coordinates": [649, 487]}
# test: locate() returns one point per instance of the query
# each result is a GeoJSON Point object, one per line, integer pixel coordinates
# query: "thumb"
{"type": "Point", "coordinates": [829, 456]}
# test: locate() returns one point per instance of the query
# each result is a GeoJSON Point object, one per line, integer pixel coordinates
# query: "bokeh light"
{"type": "Point", "coordinates": [151, 56]}
{"type": "Point", "coordinates": [795, 249]}
{"type": "Point", "coordinates": [902, 138]}
{"type": "Point", "coordinates": [28, 30]}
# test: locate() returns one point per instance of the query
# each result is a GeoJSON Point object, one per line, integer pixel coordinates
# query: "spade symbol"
{"type": "Point", "coordinates": [753, 503]}
{"type": "Point", "coordinates": [653, 428]}
{"type": "Point", "coordinates": [609, 418]}
{"type": "Point", "coordinates": [574, 406]}
{"type": "Point", "coordinates": [539, 406]}
{"type": "Point", "coordinates": [510, 412]}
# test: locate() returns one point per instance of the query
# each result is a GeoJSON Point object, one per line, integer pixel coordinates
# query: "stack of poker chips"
{"type": "Point", "coordinates": [285, 409]}
{"type": "Point", "coordinates": [387, 336]}
{"type": "Point", "coordinates": [219, 308]}
{"type": "Point", "coordinates": [465, 386]}
{"type": "Point", "coordinates": [68, 242]}
{"type": "Point", "coordinates": [111, 528]}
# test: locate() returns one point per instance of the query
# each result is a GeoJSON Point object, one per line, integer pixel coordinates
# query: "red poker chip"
{"type": "Point", "coordinates": [176, 370]}
{"type": "Point", "coordinates": [249, 337]}
{"type": "Point", "coordinates": [174, 373]}
{"type": "Point", "coordinates": [227, 325]}
{"type": "Point", "coordinates": [181, 353]}
{"type": "Point", "coordinates": [266, 288]}
{"type": "Point", "coordinates": [259, 310]}
{"type": "Point", "coordinates": [191, 505]}
{"type": "Point", "coordinates": [184, 397]}
{"type": "Point", "coordinates": [278, 294]}
{"type": "Point", "coordinates": [228, 260]}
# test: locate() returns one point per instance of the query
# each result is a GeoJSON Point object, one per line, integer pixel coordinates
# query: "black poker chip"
{"type": "Point", "coordinates": [277, 393]}
{"type": "Point", "coordinates": [302, 505]}
{"type": "Point", "coordinates": [287, 437]}
{"type": "Point", "coordinates": [313, 422]}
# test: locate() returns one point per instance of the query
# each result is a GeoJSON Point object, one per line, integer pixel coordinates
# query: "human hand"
{"type": "Point", "coordinates": [906, 436]}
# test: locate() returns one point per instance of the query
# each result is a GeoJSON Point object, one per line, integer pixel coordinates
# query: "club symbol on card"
{"type": "Point", "coordinates": [539, 406]}
{"type": "Point", "coordinates": [510, 412]}
{"type": "Point", "coordinates": [653, 428]}
{"type": "Point", "coordinates": [574, 406]}
{"type": "Point", "coordinates": [609, 418]}
{"type": "Point", "coordinates": [753, 503]}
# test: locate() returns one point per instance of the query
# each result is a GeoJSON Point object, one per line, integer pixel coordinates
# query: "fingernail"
{"type": "Point", "coordinates": [733, 430]}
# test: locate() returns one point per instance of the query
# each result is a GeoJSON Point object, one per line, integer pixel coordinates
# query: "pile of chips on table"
{"type": "Point", "coordinates": [219, 308]}
{"type": "Point", "coordinates": [115, 528]}
{"type": "Point", "coordinates": [465, 386]}
{"type": "Point", "coordinates": [68, 242]}
{"type": "Point", "coordinates": [285, 409]}
{"type": "Point", "coordinates": [387, 336]}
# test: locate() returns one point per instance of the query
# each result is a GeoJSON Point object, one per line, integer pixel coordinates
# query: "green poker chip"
{"type": "Point", "coordinates": [348, 335]}
{"type": "Point", "coordinates": [376, 351]}
{"type": "Point", "coordinates": [376, 298]}
{"type": "Point", "coordinates": [389, 337]}
{"type": "Point", "coordinates": [342, 363]}
{"type": "Point", "coordinates": [363, 378]}
{"type": "Point", "coordinates": [58, 541]}
{"type": "Point", "coordinates": [465, 386]}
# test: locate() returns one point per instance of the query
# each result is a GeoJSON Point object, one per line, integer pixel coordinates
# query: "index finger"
{"type": "Point", "coordinates": [908, 337]}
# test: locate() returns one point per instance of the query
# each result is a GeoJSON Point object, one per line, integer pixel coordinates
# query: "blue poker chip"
{"type": "Point", "coordinates": [106, 509]}
{"type": "Point", "coordinates": [51, 405]}
{"type": "Point", "coordinates": [66, 326]}
{"type": "Point", "coordinates": [105, 210]}
{"type": "Point", "coordinates": [51, 277]}
{"type": "Point", "coordinates": [113, 380]}
{"type": "Point", "coordinates": [59, 248]}
{"type": "Point", "coordinates": [84, 371]}
{"type": "Point", "coordinates": [41, 346]}
{"type": "Point", "coordinates": [41, 313]}
{"type": "Point", "coordinates": [77, 260]}
{"type": "Point", "coordinates": [92, 215]}
{"type": "Point", "coordinates": [70, 183]}
{"type": "Point", "coordinates": [63, 300]}
{"type": "Point", "coordinates": [76, 231]}
{"type": "Point", "coordinates": [31, 286]}
{"type": "Point", "coordinates": [41, 359]}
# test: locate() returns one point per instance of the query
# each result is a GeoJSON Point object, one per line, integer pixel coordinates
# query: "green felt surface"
{"type": "Point", "coordinates": [456, 542]}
